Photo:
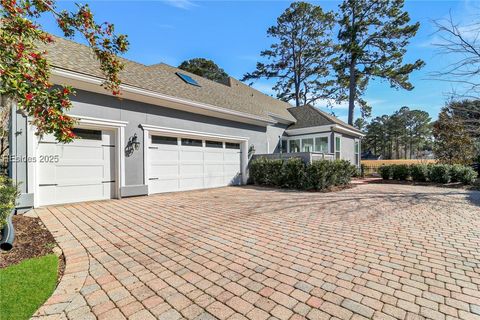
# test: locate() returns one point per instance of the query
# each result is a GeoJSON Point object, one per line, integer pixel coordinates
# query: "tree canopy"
{"type": "Point", "coordinates": [404, 134]}
{"type": "Point", "coordinates": [24, 68]}
{"type": "Point", "coordinates": [453, 144]}
{"type": "Point", "coordinates": [372, 43]}
{"type": "Point", "coordinates": [301, 55]}
{"type": "Point", "coordinates": [205, 68]}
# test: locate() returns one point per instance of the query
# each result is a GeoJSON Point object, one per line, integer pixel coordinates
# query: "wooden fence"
{"type": "Point", "coordinates": [371, 166]}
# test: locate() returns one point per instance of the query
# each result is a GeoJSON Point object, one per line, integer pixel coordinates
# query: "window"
{"type": "Point", "coordinates": [307, 145]}
{"type": "Point", "coordinates": [214, 144]}
{"type": "Point", "coordinates": [187, 79]}
{"type": "Point", "coordinates": [229, 145]}
{"type": "Point", "coordinates": [321, 145]}
{"type": "Point", "coordinates": [191, 142]}
{"type": "Point", "coordinates": [88, 134]}
{"type": "Point", "coordinates": [357, 153]}
{"type": "Point", "coordinates": [294, 145]}
{"type": "Point", "coordinates": [283, 146]}
{"type": "Point", "coordinates": [164, 140]}
{"type": "Point", "coordinates": [338, 146]}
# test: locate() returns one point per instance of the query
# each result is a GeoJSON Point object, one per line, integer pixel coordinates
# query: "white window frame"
{"type": "Point", "coordinates": [356, 152]}
{"type": "Point", "coordinates": [309, 136]}
{"type": "Point", "coordinates": [88, 123]}
{"type": "Point", "coordinates": [335, 146]}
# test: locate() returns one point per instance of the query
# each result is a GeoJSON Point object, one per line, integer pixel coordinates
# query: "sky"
{"type": "Point", "coordinates": [233, 33]}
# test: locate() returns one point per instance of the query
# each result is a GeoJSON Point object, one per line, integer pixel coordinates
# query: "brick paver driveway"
{"type": "Point", "coordinates": [373, 251]}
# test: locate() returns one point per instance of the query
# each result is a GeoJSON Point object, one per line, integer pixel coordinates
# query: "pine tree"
{"type": "Point", "coordinates": [373, 38]}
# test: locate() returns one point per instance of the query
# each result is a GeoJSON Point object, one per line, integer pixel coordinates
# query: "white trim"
{"type": "Point", "coordinates": [309, 136]}
{"type": "Point", "coordinates": [191, 133]}
{"type": "Point", "coordinates": [309, 130]}
{"type": "Point", "coordinates": [335, 136]}
{"type": "Point", "coordinates": [324, 128]}
{"type": "Point", "coordinates": [93, 84]}
{"type": "Point", "coordinates": [117, 126]}
{"type": "Point", "coordinates": [149, 129]}
{"type": "Point", "coordinates": [342, 129]}
{"type": "Point", "coordinates": [99, 121]}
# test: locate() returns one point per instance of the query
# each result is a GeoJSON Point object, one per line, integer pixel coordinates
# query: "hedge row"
{"type": "Point", "coordinates": [294, 174]}
{"type": "Point", "coordinates": [438, 173]}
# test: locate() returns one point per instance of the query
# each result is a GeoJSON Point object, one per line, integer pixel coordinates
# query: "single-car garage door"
{"type": "Point", "coordinates": [82, 170]}
{"type": "Point", "coordinates": [177, 163]}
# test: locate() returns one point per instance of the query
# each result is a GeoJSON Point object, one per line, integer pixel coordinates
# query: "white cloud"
{"type": "Point", "coordinates": [181, 4]}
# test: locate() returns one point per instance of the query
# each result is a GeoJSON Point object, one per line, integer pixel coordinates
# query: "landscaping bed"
{"type": "Point", "coordinates": [30, 271]}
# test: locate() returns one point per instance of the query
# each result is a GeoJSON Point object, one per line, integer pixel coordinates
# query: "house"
{"type": "Point", "coordinates": [170, 131]}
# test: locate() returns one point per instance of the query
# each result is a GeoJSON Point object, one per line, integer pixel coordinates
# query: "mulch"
{"type": "Point", "coordinates": [32, 240]}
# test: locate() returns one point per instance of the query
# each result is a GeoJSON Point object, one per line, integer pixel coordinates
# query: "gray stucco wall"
{"type": "Point", "coordinates": [101, 106]}
{"type": "Point", "coordinates": [348, 148]}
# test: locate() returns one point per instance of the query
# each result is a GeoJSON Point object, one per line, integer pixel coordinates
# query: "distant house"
{"type": "Point", "coordinates": [170, 131]}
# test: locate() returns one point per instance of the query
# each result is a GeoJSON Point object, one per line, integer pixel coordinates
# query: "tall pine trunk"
{"type": "Point", "coordinates": [351, 93]}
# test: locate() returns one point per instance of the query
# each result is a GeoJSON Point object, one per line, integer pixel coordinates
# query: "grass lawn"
{"type": "Point", "coordinates": [26, 286]}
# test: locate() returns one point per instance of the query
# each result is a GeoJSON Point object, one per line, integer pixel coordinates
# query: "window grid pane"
{"type": "Point", "coordinates": [321, 144]}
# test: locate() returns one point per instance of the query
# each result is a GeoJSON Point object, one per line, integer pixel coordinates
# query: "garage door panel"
{"type": "Point", "coordinates": [85, 170]}
{"type": "Point", "coordinates": [232, 157]}
{"type": "Point", "coordinates": [81, 152]}
{"type": "Point", "coordinates": [216, 157]}
{"type": "Point", "coordinates": [73, 193]}
{"type": "Point", "coordinates": [77, 173]}
{"type": "Point", "coordinates": [191, 183]}
{"type": "Point", "coordinates": [214, 170]}
{"type": "Point", "coordinates": [163, 185]}
{"type": "Point", "coordinates": [165, 172]}
{"type": "Point", "coordinates": [191, 170]}
{"type": "Point", "coordinates": [213, 182]}
{"type": "Point", "coordinates": [191, 155]}
{"type": "Point", "coordinates": [164, 155]}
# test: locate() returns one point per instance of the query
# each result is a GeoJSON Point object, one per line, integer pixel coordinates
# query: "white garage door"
{"type": "Point", "coordinates": [83, 170]}
{"type": "Point", "coordinates": [176, 164]}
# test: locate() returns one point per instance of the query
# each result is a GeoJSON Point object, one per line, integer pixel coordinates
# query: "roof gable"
{"type": "Point", "coordinates": [308, 116]}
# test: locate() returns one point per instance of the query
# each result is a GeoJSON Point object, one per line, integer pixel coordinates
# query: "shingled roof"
{"type": "Point", "coordinates": [309, 116]}
{"type": "Point", "coordinates": [161, 78]}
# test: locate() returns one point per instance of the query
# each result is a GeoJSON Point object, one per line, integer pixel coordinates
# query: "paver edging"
{"type": "Point", "coordinates": [77, 264]}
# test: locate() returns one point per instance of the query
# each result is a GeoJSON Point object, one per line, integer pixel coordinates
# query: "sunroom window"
{"type": "Point", "coordinates": [294, 145]}
{"type": "Point", "coordinates": [283, 146]}
{"type": "Point", "coordinates": [338, 146]}
{"type": "Point", "coordinates": [357, 153]}
{"type": "Point", "coordinates": [307, 145]}
{"type": "Point", "coordinates": [321, 144]}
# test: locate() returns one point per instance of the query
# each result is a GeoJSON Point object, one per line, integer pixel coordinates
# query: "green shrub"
{"type": "Point", "coordinates": [419, 172]}
{"type": "Point", "coordinates": [400, 172]}
{"type": "Point", "coordinates": [258, 171]}
{"type": "Point", "coordinates": [293, 174]}
{"type": "Point", "coordinates": [463, 174]}
{"type": "Point", "coordinates": [439, 173]}
{"type": "Point", "coordinates": [385, 171]}
{"type": "Point", "coordinates": [318, 175]}
{"type": "Point", "coordinates": [456, 172]}
{"type": "Point", "coordinates": [8, 196]}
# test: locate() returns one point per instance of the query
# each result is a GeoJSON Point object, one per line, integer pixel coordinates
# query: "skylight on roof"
{"type": "Point", "coordinates": [187, 79]}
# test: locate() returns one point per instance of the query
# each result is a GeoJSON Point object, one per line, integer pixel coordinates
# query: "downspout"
{"type": "Point", "coordinates": [8, 234]}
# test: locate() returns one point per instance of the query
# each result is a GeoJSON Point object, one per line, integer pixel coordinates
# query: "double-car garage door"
{"type": "Point", "coordinates": [186, 163]}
